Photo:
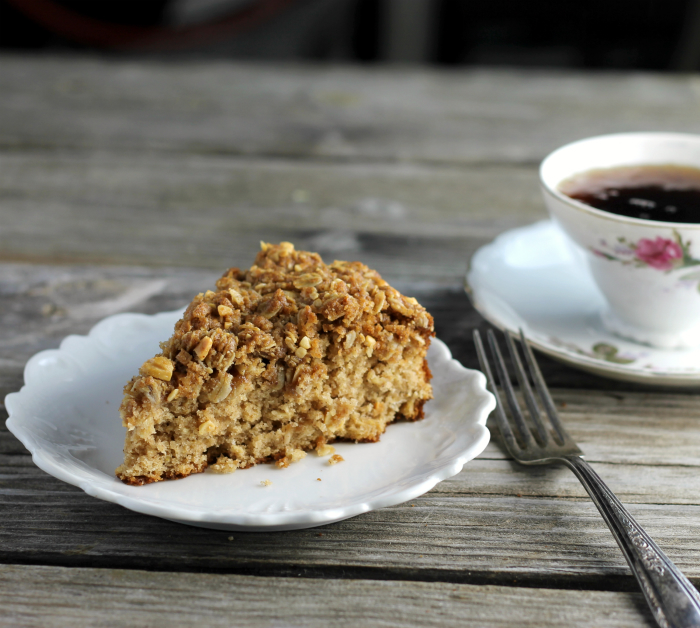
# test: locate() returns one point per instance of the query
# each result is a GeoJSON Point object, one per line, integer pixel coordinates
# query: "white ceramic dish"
{"type": "Point", "coordinates": [66, 415]}
{"type": "Point", "coordinates": [536, 279]}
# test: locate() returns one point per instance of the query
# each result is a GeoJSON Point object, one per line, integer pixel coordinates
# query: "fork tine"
{"type": "Point", "coordinates": [543, 391]}
{"type": "Point", "coordinates": [515, 411]}
{"type": "Point", "coordinates": [527, 390]}
{"type": "Point", "coordinates": [501, 419]}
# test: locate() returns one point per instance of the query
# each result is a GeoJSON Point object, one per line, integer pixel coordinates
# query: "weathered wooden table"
{"type": "Point", "coordinates": [129, 185]}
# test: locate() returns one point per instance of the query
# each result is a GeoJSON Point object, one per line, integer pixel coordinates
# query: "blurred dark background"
{"type": "Point", "coordinates": [604, 34]}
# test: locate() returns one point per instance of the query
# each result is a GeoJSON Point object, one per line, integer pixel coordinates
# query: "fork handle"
{"type": "Point", "coordinates": [674, 601]}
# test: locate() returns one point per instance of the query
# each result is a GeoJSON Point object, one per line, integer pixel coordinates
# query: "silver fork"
{"type": "Point", "coordinates": [674, 601]}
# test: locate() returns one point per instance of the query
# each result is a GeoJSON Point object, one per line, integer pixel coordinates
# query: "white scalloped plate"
{"type": "Point", "coordinates": [66, 415]}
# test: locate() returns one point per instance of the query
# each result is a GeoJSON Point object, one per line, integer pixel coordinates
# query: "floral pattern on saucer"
{"type": "Point", "coordinates": [599, 351]}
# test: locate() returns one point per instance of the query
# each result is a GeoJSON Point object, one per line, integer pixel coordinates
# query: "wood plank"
{"type": "Point", "coordinates": [420, 222]}
{"type": "Point", "coordinates": [331, 112]}
{"type": "Point", "coordinates": [55, 597]}
{"type": "Point", "coordinates": [491, 523]}
{"type": "Point", "coordinates": [493, 473]}
{"type": "Point", "coordinates": [203, 192]}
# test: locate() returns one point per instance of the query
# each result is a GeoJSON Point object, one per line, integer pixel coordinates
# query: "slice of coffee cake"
{"type": "Point", "coordinates": [280, 359]}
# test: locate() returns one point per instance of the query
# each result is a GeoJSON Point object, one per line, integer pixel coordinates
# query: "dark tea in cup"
{"type": "Point", "coordinates": [668, 193]}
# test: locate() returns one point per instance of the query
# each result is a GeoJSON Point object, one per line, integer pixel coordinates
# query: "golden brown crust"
{"type": "Point", "coordinates": [273, 334]}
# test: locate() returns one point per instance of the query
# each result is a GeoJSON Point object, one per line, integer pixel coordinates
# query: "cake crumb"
{"type": "Point", "coordinates": [292, 455]}
{"type": "Point", "coordinates": [318, 479]}
{"type": "Point", "coordinates": [223, 464]}
{"type": "Point", "coordinates": [325, 450]}
{"type": "Point", "coordinates": [265, 482]}
{"type": "Point", "coordinates": [336, 459]}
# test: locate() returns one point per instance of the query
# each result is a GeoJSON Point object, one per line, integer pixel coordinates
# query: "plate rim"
{"type": "Point", "coordinates": [620, 372]}
{"type": "Point", "coordinates": [97, 484]}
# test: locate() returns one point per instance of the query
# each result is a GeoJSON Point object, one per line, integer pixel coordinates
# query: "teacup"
{"type": "Point", "coordinates": [648, 270]}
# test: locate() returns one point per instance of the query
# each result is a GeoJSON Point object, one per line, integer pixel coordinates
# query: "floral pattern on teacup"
{"type": "Point", "coordinates": [660, 253]}
{"type": "Point", "coordinates": [663, 254]}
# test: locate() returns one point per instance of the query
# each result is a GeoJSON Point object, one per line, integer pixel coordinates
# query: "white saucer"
{"type": "Point", "coordinates": [67, 416]}
{"type": "Point", "coordinates": [535, 279]}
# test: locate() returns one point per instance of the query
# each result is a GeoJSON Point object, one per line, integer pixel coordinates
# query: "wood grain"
{"type": "Point", "coordinates": [53, 597]}
{"type": "Point", "coordinates": [469, 531]}
{"type": "Point", "coordinates": [419, 222]}
{"type": "Point", "coordinates": [462, 116]}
